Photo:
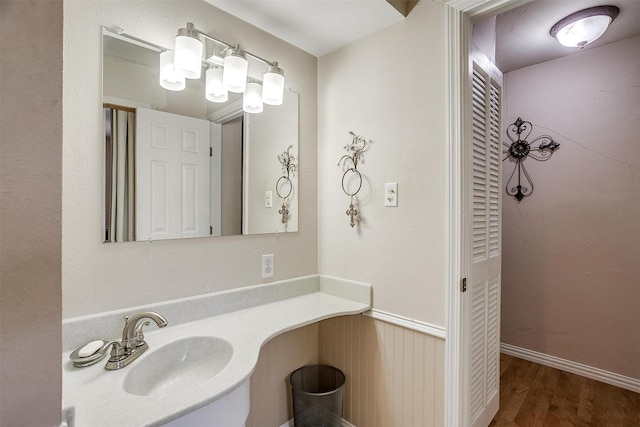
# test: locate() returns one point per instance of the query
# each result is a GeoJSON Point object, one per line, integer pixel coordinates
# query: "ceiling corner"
{"type": "Point", "coordinates": [404, 7]}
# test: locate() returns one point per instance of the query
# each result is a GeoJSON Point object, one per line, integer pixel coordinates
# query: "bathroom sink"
{"type": "Point", "coordinates": [178, 366]}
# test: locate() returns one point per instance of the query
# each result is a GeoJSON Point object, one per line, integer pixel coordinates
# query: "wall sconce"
{"type": "Point", "coordinates": [520, 149]}
{"type": "Point", "coordinates": [585, 26]}
{"type": "Point", "coordinates": [284, 186]}
{"type": "Point", "coordinates": [350, 161]}
{"type": "Point", "coordinates": [222, 75]}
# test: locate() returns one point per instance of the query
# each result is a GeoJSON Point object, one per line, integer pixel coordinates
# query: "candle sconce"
{"type": "Point", "coordinates": [349, 163]}
{"type": "Point", "coordinates": [284, 186]}
{"type": "Point", "coordinates": [520, 149]}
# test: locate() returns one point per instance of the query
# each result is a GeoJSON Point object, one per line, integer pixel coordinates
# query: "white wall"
{"type": "Point", "coordinates": [30, 213]}
{"type": "Point", "coordinates": [390, 88]}
{"type": "Point", "coordinates": [99, 277]}
{"type": "Point", "coordinates": [571, 276]}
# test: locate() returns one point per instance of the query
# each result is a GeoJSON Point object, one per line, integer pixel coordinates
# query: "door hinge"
{"type": "Point", "coordinates": [210, 151]}
{"type": "Point", "coordinates": [463, 285]}
{"type": "Point", "coordinates": [211, 230]}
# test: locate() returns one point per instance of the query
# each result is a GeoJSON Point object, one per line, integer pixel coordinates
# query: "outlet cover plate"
{"type": "Point", "coordinates": [267, 266]}
{"type": "Point", "coordinates": [391, 194]}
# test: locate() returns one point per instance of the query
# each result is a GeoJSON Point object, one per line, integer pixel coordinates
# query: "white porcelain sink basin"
{"type": "Point", "coordinates": [177, 366]}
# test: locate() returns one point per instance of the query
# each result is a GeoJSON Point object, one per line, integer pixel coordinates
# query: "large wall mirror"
{"type": "Point", "coordinates": [178, 166]}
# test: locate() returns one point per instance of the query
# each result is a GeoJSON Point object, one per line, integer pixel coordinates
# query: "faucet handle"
{"type": "Point", "coordinates": [117, 352]}
{"type": "Point", "coordinates": [138, 336]}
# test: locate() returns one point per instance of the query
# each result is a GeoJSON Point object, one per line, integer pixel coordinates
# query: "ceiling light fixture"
{"type": "Point", "coordinates": [585, 26]}
{"type": "Point", "coordinates": [222, 75]}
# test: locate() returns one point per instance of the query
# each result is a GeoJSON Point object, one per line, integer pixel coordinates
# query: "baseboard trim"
{"type": "Point", "coordinates": [344, 423]}
{"type": "Point", "coordinates": [405, 322]}
{"type": "Point", "coordinates": [597, 374]}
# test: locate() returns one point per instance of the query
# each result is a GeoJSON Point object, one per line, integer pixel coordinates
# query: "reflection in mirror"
{"type": "Point", "coordinates": [178, 166]}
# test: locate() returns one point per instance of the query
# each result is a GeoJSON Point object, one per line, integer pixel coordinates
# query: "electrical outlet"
{"type": "Point", "coordinates": [391, 194]}
{"type": "Point", "coordinates": [268, 199]}
{"type": "Point", "coordinates": [267, 266]}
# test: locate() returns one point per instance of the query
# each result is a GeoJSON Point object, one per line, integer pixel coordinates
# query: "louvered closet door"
{"type": "Point", "coordinates": [484, 248]}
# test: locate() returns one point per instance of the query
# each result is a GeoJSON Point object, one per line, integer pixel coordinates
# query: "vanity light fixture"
{"type": "Point", "coordinates": [170, 78]}
{"type": "Point", "coordinates": [188, 54]}
{"type": "Point", "coordinates": [252, 97]}
{"type": "Point", "coordinates": [273, 85]}
{"type": "Point", "coordinates": [236, 67]}
{"type": "Point", "coordinates": [214, 88]}
{"type": "Point", "coordinates": [222, 75]}
{"type": "Point", "coordinates": [585, 26]}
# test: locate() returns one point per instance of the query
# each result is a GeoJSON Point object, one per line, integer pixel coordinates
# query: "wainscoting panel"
{"type": "Point", "coordinates": [395, 376]}
{"type": "Point", "coordinates": [270, 390]}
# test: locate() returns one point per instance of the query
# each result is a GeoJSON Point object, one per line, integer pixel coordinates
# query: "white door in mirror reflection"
{"type": "Point", "coordinates": [172, 176]}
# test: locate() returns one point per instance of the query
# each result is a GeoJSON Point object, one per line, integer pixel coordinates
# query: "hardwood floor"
{"type": "Point", "coordinates": [538, 396]}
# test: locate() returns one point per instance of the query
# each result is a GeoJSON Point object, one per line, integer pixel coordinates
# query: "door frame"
{"type": "Point", "coordinates": [459, 15]}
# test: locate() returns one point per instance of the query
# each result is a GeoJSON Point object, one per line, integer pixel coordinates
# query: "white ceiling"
{"type": "Point", "coordinates": [315, 26]}
{"type": "Point", "coordinates": [522, 34]}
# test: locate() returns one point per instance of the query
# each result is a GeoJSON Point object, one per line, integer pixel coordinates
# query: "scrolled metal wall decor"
{"type": "Point", "coordinates": [350, 161]}
{"type": "Point", "coordinates": [289, 168]}
{"type": "Point", "coordinates": [520, 149]}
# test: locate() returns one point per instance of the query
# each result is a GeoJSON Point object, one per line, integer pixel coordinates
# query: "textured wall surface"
{"type": "Point", "coordinates": [395, 376]}
{"type": "Point", "coordinates": [30, 217]}
{"type": "Point", "coordinates": [570, 272]}
{"type": "Point", "coordinates": [390, 88]}
{"type": "Point", "coordinates": [100, 277]}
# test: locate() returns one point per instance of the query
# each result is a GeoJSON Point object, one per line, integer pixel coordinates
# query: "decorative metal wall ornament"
{"type": "Point", "coordinates": [520, 149]}
{"type": "Point", "coordinates": [289, 168]}
{"type": "Point", "coordinates": [349, 164]}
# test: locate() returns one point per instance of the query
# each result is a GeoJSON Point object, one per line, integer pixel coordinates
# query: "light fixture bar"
{"type": "Point", "coordinates": [118, 33]}
{"type": "Point", "coordinates": [231, 46]}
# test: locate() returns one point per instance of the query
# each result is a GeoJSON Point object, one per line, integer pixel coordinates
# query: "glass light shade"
{"type": "Point", "coordinates": [170, 78]}
{"type": "Point", "coordinates": [214, 89]}
{"type": "Point", "coordinates": [273, 86]}
{"type": "Point", "coordinates": [188, 56]}
{"type": "Point", "coordinates": [583, 31]}
{"type": "Point", "coordinates": [584, 26]}
{"type": "Point", "coordinates": [252, 98]}
{"type": "Point", "coordinates": [235, 70]}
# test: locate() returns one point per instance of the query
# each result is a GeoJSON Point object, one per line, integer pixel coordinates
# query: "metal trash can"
{"type": "Point", "coordinates": [317, 393]}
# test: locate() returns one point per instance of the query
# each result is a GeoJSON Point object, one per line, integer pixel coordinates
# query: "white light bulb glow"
{"type": "Point", "coordinates": [188, 56]}
{"type": "Point", "coordinates": [214, 89]}
{"type": "Point", "coordinates": [273, 87]}
{"type": "Point", "coordinates": [235, 71]}
{"type": "Point", "coordinates": [170, 78]}
{"type": "Point", "coordinates": [252, 98]}
{"type": "Point", "coordinates": [584, 26]}
{"type": "Point", "coordinates": [583, 31]}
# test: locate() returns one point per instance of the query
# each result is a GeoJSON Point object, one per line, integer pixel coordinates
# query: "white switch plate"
{"type": "Point", "coordinates": [268, 199]}
{"type": "Point", "coordinates": [391, 194]}
{"type": "Point", "coordinates": [267, 266]}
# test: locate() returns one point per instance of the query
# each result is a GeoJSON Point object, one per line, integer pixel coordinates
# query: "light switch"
{"type": "Point", "coordinates": [391, 194]}
{"type": "Point", "coordinates": [268, 199]}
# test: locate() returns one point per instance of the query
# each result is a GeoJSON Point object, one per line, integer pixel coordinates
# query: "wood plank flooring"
{"type": "Point", "coordinates": [533, 395]}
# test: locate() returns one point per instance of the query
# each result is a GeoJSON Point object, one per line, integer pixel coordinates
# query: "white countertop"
{"type": "Point", "coordinates": [98, 395]}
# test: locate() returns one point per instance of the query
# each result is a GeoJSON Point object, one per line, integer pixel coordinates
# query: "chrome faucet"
{"type": "Point", "coordinates": [132, 344]}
